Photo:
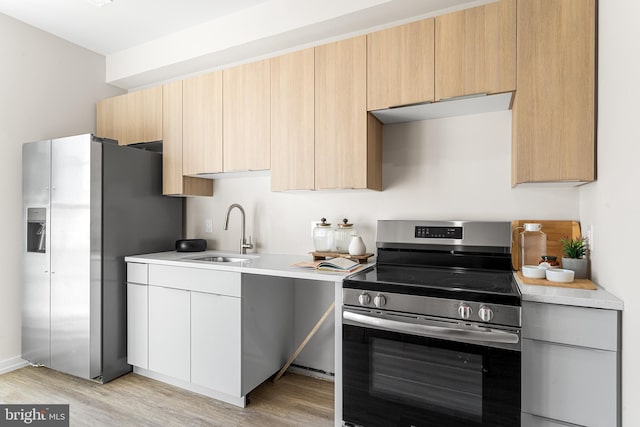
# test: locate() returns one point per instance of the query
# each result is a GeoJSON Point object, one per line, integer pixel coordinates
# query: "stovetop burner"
{"type": "Point", "coordinates": [454, 283]}
{"type": "Point", "coordinates": [457, 260]}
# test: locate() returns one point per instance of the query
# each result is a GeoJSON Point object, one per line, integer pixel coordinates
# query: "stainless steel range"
{"type": "Point", "coordinates": [431, 334]}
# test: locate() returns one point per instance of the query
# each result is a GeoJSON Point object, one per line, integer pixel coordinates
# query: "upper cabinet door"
{"type": "Point", "coordinates": [554, 108]}
{"type": "Point", "coordinates": [246, 117]}
{"type": "Point", "coordinates": [347, 140]}
{"type": "Point", "coordinates": [151, 114]}
{"type": "Point", "coordinates": [476, 50]}
{"type": "Point", "coordinates": [202, 124]}
{"type": "Point", "coordinates": [174, 182]}
{"type": "Point", "coordinates": [292, 121]}
{"type": "Point", "coordinates": [131, 118]}
{"type": "Point", "coordinates": [400, 65]}
{"type": "Point", "coordinates": [105, 118]}
{"type": "Point", "coordinates": [111, 118]}
{"type": "Point", "coordinates": [172, 144]}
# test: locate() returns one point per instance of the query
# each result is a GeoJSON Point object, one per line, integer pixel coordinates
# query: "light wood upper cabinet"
{"type": "Point", "coordinates": [246, 117]}
{"type": "Point", "coordinates": [554, 107]}
{"type": "Point", "coordinates": [292, 121]}
{"type": "Point", "coordinates": [111, 120]}
{"type": "Point", "coordinates": [173, 181]}
{"type": "Point", "coordinates": [151, 113]}
{"type": "Point", "coordinates": [202, 124]}
{"type": "Point", "coordinates": [347, 139]}
{"type": "Point", "coordinates": [475, 50]}
{"type": "Point", "coordinates": [131, 118]}
{"type": "Point", "coordinates": [105, 118]}
{"type": "Point", "coordinates": [400, 65]}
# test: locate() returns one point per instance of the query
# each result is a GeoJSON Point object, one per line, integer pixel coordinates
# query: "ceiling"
{"type": "Point", "coordinates": [121, 24]}
{"type": "Point", "coordinates": [150, 41]}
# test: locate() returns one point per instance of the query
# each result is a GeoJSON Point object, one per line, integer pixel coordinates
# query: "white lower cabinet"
{"type": "Point", "coordinates": [216, 334]}
{"type": "Point", "coordinates": [570, 366]}
{"type": "Point", "coordinates": [169, 332]}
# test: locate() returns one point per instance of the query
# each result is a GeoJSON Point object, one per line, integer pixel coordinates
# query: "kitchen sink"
{"type": "Point", "coordinates": [213, 258]}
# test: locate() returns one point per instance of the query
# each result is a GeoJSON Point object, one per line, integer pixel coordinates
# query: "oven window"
{"type": "Point", "coordinates": [393, 379]}
{"type": "Point", "coordinates": [431, 378]}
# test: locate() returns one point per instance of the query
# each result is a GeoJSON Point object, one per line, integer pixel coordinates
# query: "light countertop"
{"type": "Point", "coordinates": [599, 298]}
{"type": "Point", "coordinates": [265, 264]}
{"type": "Point", "coordinates": [282, 265]}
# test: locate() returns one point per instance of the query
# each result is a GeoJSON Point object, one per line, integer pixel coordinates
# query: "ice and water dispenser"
{"type": "Point", "coordinates": [36, 230]}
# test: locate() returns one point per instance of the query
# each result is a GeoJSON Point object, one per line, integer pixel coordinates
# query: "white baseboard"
{"type": "Point", "coordinates": [12, 364]}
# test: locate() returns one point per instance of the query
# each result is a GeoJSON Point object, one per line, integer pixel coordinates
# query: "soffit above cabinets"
{"type": "Point", "coordinates": [461, 106]}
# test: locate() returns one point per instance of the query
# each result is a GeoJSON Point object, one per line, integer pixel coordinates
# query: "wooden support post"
{"type": "Point", "coordinates": [305, 341]}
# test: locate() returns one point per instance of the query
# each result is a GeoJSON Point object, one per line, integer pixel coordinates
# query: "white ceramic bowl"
{"type": "Point", "coordinates": [533, 271]}
{"type": "Point", "coordinates": [560, 275]}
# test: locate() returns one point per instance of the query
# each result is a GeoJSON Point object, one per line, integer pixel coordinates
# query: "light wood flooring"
{"type": "Point", "coordinates": [134, 400]}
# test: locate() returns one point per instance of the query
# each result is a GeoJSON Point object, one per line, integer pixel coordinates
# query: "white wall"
{"type": "Point", "coordinates": [612, 203]}
{"type": "Point", "coordinates": [48, 88]}
{"type": "Point", "coordinates": [456, 168]}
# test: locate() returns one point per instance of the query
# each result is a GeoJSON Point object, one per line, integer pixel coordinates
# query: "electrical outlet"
{"type": "Point", "coordinates": [208, 225]}
{"type": "Point", "coordinates": [590, 237]}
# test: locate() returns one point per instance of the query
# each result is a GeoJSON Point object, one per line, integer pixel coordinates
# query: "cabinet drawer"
{"type": "Point", "coordinates": [196, 279]}
{"type": "Point", "coordinates": [581, 326]}
{"type": "Point", "coordinates": [137, 273]}
{"type": "Point", "coordinates": [571, 384]}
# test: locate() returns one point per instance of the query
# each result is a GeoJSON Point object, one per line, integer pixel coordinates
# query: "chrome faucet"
{"type": "Point", "coordinates": [243, 241]}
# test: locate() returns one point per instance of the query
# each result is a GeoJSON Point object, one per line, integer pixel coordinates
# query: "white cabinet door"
{"type": "Point", "coordinates": [570, 365]}
{"type": "Point", "coordinates": [216, 332]}
{"type": "Point", "coordinates": [169, 338]}
{"type": "Point", "coordinates": [137, 313]}
{"type": "Point", "coordinates": [577, 385]}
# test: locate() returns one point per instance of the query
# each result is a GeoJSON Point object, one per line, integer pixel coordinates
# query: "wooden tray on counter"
{"type": "Point", "coordinates": [576, 284]}
{"type": "Point", "coordinates": [361, 259]}
{"type": "Point", "coordinates": [555, 230]}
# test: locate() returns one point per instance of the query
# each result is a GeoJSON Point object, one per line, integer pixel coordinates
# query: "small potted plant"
{"type": "Point", "coordinates": [575, 251]}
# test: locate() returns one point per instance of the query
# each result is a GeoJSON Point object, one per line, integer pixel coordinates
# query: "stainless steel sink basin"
{"type": "Point", "coordinates": [214, 258]}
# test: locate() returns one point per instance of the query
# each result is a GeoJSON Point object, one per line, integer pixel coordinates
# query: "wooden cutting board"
{"type": "Point", "coordinates": [555, 230]}
{"type": "Point", "coordinates": [361, 259]}
{"type": "Point", "coordinates": [576, 284]}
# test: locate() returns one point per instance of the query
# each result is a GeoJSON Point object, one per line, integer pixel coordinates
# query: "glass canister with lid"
{"type": "Point", "coordinates": [533, 244]}
{"type": "Point", "coordinates": [342, 236]}
{"type": "Point", "coordinates": [323, 236]}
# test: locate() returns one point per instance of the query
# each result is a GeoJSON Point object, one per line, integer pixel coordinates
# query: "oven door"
{"type": "Point", "coordinates": [392, 377]}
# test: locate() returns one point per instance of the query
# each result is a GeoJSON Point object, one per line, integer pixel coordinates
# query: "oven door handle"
{"type": "Point", "coordinates": [487, 335]}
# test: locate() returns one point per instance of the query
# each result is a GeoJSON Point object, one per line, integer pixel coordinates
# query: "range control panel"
{"type": "Point", "coordinates": [426, 232]}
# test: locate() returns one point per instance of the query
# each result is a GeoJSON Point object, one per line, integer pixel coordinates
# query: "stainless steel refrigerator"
{"type": "Point", "coordinates": [87, 204]}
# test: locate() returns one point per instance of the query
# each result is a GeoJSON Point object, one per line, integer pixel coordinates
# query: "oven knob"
{"type": "Point", "coordinates": [485, 313]}
{"type": "Point", "coordinates": [464, 311]}
{"type": "Point", "coordinates": [379, 300]}
{"type": "Point", "coordinates": [364, 299]}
